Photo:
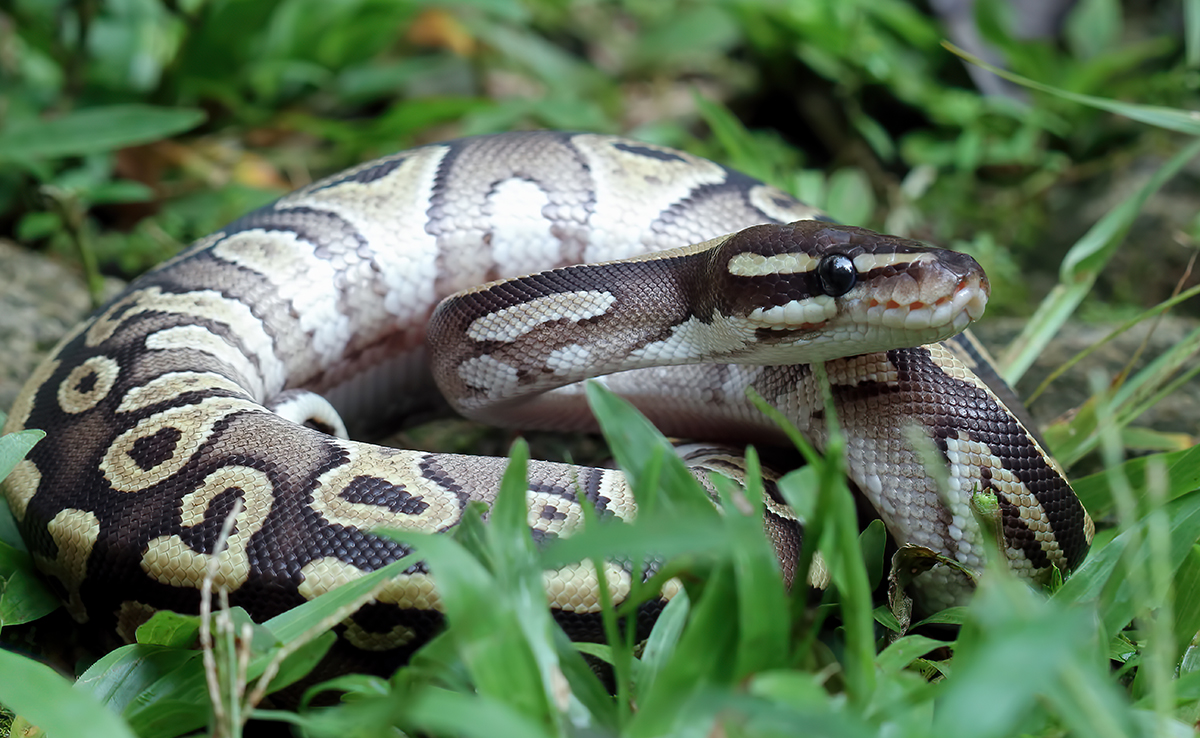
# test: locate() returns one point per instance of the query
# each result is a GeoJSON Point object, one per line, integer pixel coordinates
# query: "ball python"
{"type": "Point", "coordinates": [239, 369]}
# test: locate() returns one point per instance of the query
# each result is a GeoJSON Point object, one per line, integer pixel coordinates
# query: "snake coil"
{"type": "Point", "coordinates": [239, 369]}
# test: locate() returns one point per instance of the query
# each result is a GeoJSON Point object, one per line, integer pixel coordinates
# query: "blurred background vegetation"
{"type": "Point", "coordinates": [130, 127]}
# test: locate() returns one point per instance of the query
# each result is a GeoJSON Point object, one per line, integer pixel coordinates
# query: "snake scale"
{"type": "Point", "coordinates": [239, 369]}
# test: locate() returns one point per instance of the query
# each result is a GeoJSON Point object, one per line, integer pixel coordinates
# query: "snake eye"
{"type": "Point", "coordinates": [838, 275]}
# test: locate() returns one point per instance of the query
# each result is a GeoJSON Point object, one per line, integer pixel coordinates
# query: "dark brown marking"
{"type": "Point", "coordinates": [150, 451]}
{"type": "Point", "coordinates": [369, 490]}
{"type": "Point", "coordinates": [550, 512]}
{"type": "Point", "coordinates": [648, 152]}
{"type": "Point", "coordinates": [86, 383]}
{"type": "Point", "coordinates": [977, 413]}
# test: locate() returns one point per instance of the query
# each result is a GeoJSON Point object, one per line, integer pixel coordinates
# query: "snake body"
{"type": "Point", "coordinates": [238, 369]}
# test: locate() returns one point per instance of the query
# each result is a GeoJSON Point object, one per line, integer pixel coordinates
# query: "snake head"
{"type": "Point", "coordinates": [833, 290]}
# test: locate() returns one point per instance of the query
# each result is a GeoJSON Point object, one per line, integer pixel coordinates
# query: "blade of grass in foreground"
{"type": "Point", "coordinates": [1101, 577]}
{"type": "Point", "coordinates": [500, 620]}
{"type": "Point", "coordinates": [40, 695]}
{"type": "Point", "coordinates": [832, 523]}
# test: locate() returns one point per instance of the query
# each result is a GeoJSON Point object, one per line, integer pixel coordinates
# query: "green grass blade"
{"type": "Point", "coordinates": [904, 651]}
{"type": "Point", "coordinates": [1079, 269]}
{"type": "Point", "coordinates": [485, 627]}
{"type": "Point", "coordinates": [704, 659]}
{"type": "Point", "coordinates": [1172, 119]}
{"type": "Point", "coordinates": [1018, 653]}
{"type": "Point", "coordinates": [763, 613]}
{"type": "Point", "coordinates": [1183, 476]}
{"type": "Point", "coordinates": [442, 712]}
{"type": "Point", "coordinates": [663, 639]}
{"type": "Point", "coordinates": [1119, 330]}
{"type": "Point", "coordinates": [14, 446]}
{"type": "Point", "coordinates": [1103, 576]}
{"type": "Point", "coordinates": [1191, 26]}
{"type": "Point", "coordinates": [1128, 401]}
{"type": "Point", "coordinates": [170, 702]}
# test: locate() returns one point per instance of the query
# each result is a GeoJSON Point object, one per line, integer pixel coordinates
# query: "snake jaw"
{"type": "Point", "coordinates": [808, 314]}
{"type": "Point", "coordinates": [935, 296]}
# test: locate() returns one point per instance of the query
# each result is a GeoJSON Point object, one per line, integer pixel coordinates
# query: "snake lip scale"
{"type": "Point", "coordinates": [240, 369]}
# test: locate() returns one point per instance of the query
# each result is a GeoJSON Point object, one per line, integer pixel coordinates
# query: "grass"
{"type": "Point", "coordinates": [208, 108]}
{"type": "Point", "coordinates": [733, 650]}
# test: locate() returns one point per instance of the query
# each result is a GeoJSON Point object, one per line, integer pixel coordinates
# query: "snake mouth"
{"type": "Point", "coordinates": [946, 315]}
{"type": "Point", "coordinates": [972, 296]}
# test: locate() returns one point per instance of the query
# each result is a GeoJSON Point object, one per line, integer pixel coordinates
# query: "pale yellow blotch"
{"type": "Point", "coordinates": [18, 415]}
{"type": "Point", "coordinates": [105, 325]}
{"type": "Point", "coordinates": [855, 370]}
{"type": "Point", "coordinates": [74, 532]}
{"type": "Point", "coordinates": [485, 372]}
{"type": "Point", "coordinates": [442, 507]}
{"type": "Point", "coordinates": [172, 384]}
{"type": "Point", "coordinates": [510, 323]}
{"type": "Point", "coordinates": [819, 575]}
{"type": "Point", "coordinates": [621, 503]}
{"type": "Point", "coordinates": [575, 587]}
{"type": "Point", "coordinates": [20, 486]}
{"type": "Point", "coordinates": [632, 187]}
{"type": "Point", "coordinates": [412, 592]}
{"type": "Point", "coordinates": [949, 362]}
{"type": "Point", "coordinates": [567, 515]}
{"type": "Point", "coordinates": [169, 560]}
{"type": "Point", "coordinates": [768, 199]}
{"type": "Point", "coordinates": [208, 305]}
{"type": "Point", "coordinates": [749, 264]}
{"type": "Point", "coordinates": [200, 338]}
{"type": "Point", "coordinates": [671, 588]}
{"type": "Point", "coordinates": [864, 263]}
{"type": "Point", "coordinates": [407, 591]}
{"type": "Point", "coordinates": [195, 424]}
{"type": "Point", "coordinates": [322, 575]}
{"type": "Point", "coordinates": [271, 258]}
{"type": "Point", "coordinates": [104, 372]}
{"type": "Point", "coordinates": [812, 311]}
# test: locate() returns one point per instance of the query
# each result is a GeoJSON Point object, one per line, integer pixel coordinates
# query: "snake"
{"type": "Point", "coordinates": [492, 275]}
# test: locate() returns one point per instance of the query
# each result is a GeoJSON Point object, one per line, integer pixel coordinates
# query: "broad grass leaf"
{"type": "Point", "coordinates": [1020, 655]}
{"type": "Point", "coordinates": [904, 651]}
{"type": "Point", "coordinates": [95, 130]}
{"type": "Point", "coordinates": [46, 699]}
{"type": "Point", "coordinates": [23, 595]}
{"type": "Point", "coordinates": [679, 701]}
{"type": "Point", "coordinates": [129, 679]}
{"type": "Point", "coordinates": [764, 617]}
{"type": "Point", "coordinates": [498, 620]}
{"type": "Point", "coordinates": [444, 712]}
{"type": "Point", "coordinates": [1183, 476]}
{"type": "Point", "coordinates": [663, 639]}
{"type": "Point", "coordinates": [1104, 576]}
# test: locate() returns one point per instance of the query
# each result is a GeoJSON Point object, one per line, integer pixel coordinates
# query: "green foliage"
{"type": "Point", "coordinates": [732, 648]}
{"type": "Point", "coordinates": [131, 127]}
{"type": "Point", "coordinates": [23, 596]}
{"type": "Point", "coordinates": [91, 81]}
